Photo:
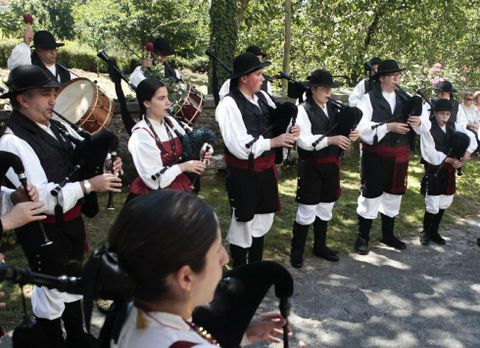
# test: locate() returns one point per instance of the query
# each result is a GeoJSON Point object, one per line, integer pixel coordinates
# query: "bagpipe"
{"type": "Point", "coordinates": [458, 145]}
{"type": "Point", "coordinates": [192, 140]}
{"type": "Point", "coordinates": [346, 119]}
{"type": "Point", "coordinates": [282, 116]}
{"type": "Point", "coordinates": [236, 299]}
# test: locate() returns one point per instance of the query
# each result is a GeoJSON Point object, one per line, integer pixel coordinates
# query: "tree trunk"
{"type": "Point", "coordinates": [287, 41]}
{"type": "Point", "coordinates": [223, 39]}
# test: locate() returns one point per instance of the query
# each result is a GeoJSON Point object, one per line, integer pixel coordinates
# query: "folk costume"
{"type": "Point", "coordinates": [384, 162]}
{"type": "Point", "coordinates": [157, 149]}
{"type": "Point", "coordinates": [318, 184]}
{"type": "Point", "coordinates": [44, 40]}
{"type": "Point", "coordinates": [251, 175]}
{"type": "Point", "coordinates": [46, 155]}
{"type": "Point", "coordinates": [161, 47]}
{"type": "Point", "coordinates": [438, 183]}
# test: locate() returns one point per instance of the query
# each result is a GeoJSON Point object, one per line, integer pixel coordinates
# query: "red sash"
{"type": "Point", "coordinates": [261, 163]}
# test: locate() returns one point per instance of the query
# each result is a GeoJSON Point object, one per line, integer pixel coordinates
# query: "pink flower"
{"type": "Point", "coordinates": [463, 78]}
{"type": "Point", "coordinates": [436, 80]}
{"type": "Point", "coordinates": [436, 68]}
{"type": "Point", "coordinates": [465, 69]}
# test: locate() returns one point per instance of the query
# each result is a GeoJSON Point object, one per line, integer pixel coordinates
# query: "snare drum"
{"type": "Point", "coordinates": [82, 102]}
{"type": "Point", "coordinates": [190, 105]}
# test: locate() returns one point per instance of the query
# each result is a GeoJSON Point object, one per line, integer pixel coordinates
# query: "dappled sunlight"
{"type": "Point", "coordinates": [379, 260]}
{"type": "Point", "coordinates": [401, 339]}
{"type": "Point", "coordinates": [436, 312]}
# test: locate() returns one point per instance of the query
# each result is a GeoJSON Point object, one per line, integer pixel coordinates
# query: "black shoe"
{"type": "Point", "coordinates": [361, 246]}
{"type": "Point", "coordinates": [436, 238]}
{"type": "Point", "coordinates": [81, 341]}
{"type": "Point", "coordinates": [296, 258]}
{"type": "Point", "coordinates": [424, 238]}
{"type": "Point", "coordinates": [393, 242]}
{"type": "Point", "coordinates": [326, 253]}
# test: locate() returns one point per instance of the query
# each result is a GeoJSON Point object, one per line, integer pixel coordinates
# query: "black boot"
{"type": "Point", "coordinates": [361, 244]}
{"type": "Point", "coordinates": [255, 253]}
{"type": "Point", "coordinates": [238, 255]}
{"type": "Point", "coordinates": [427, 224]}
{"type": "Point", "coordinates": [73, 321]}
{"type": "Point", "coordinates": [388, 238]}
{"type": "Point", "coordinates": [298, 244]}
{"type": "Point", "coordinates": [320, 248]}
{"type": "Point", "coordinates": [434, 236]}
{"type": "Point", "coordinates": [53, 332]}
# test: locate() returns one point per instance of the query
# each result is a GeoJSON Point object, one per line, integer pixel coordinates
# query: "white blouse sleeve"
{"type": "Point", "coordinates": [234, 132]}
{"type": "Point", "coordinates": [364, 128]}
{"type": "Point", "coordinates": [148, 161]}
{"type": "Point", "coordinates": [20, 56]}
{"type": "Point", "coordinates": [137, 76]}
{"type": "Point", "coordinates": [35, 174]}
{"type": "Point", "coordinates": [357, 93]}
{"type": "Point", "coordinates": [306, 138]}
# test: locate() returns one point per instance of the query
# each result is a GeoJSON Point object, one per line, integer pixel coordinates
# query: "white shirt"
{"type": "Point", "coordinates": [307, 138]}
{"type": "Point", "coordinates": [364, 128]}
{"type": "Point", "coordinates": [147, 156]}
{"type": "Point", "coordinates": [427, 147]}
{"type": "Point", "coordinates": [20, 56]}
{"type": "Point", "coordinates": [35, 174]}
{"type": "Point", "coordinates": [234, 132]}
{"type": "Point", "coordinates": [357, 93]}
{"type": "Point", "coordinates": [460, 125]}
{"type": "Point", "coordinates": [163, 329]}
{"type": "Point", "coordinates": [138, 76]}
{"type": "Point", "coordinates": [5, 202]}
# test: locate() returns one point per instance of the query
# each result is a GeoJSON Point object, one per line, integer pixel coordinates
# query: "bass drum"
{"type": "Point", "coordinates": [189, 105]}
{"type": "Point", "coordinates": [82, 102]}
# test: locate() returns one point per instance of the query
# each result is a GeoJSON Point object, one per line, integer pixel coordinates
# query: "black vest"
{"type": "Point", "coordinates": [321, 124]}
{"type": "Point", "coordinates": [54, 156]}
{"type": "Point", "coordinates": [442, 139]}
{"type": "Point", "coordinates": [62, 72]}
{"type": "Point", "coordinates": [382, 112]}
{"type": "Point", "coordinates": [170, 72]}
{"type": "Point", "coordinates": [256, 120]}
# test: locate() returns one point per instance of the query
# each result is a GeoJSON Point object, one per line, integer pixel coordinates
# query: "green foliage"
{"type": "Point", "coordinates": [223, 33]}
{"type": "Point", "coordinates": [341, 35]}
{"type": "Point", "coordinates": [52, 15]}
{"type": "Point", "coordinates": [125, 26]}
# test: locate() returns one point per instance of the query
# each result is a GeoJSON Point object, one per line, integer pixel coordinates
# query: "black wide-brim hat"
{"type": "Point", "coordinates": [445, 86]}
{"type": "Point", "coordinates": [25, 77]}
{"type": "Point", "coordinates": [442, 105]}
{"type": "Point", "coordinates": [321, 78]}
{"type": "Point", "coordinates": [387, 66]}
{"type": "Point", "coordinates": [44, 39]}
{"type": "Point", "coordinates": [162, 47]}
{"type": "Point", "coordinates": [256, 50]}
{"type": "Point", "coordinates": [369, 64]}
{"type": "Point", "coordinates": [246, 63]}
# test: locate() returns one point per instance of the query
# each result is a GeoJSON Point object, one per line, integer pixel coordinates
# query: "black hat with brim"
{"type": "Point", "coordinates": [321, 78]}
{"type": "Point", "coordinates": [256, 50]}
{"type": "Point", "coordinates": [25, 77]}
{"type": "Point", "coordinates": [442, 105]}
{"type": "Point", "coordinates": [246, 63]}
{"type": "Point", "coordinates": [387, 66]}
{"type": "Point", "coordinates": [162, 47]}
{"type": "Point", "coordinates": [445, 86]}
{"type": "Point", "coordinates": [44, 40]}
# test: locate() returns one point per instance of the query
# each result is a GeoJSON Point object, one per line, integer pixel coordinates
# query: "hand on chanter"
{"type": "Point", "coordinates": [19, 195]}
{"type": "Point", "coordinates": [398, 127]}
{"type": "Point", "coordinates": [268, 326]}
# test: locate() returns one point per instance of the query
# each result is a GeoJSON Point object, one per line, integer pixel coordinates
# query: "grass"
{"type": "Point", "coordinates": [341, 233]}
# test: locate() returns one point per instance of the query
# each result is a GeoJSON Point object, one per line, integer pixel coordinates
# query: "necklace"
{"type": "Point", "coordinates": [202, 332]}
{"type": "Point", "coordinates": [171, 139]}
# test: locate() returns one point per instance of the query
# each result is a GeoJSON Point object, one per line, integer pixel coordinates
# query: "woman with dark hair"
{"type": "Point", "coordinates": [155, 144]}
{"type": "Point", "coordinates": [175, 263]}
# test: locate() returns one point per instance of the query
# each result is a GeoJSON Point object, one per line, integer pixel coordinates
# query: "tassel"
{"type": "Point", "coordinates": [251, 161]}
{"type": "Point", "coordinates": [141, 322]}
{"type": "Point", "coordinates": [60, 222]}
